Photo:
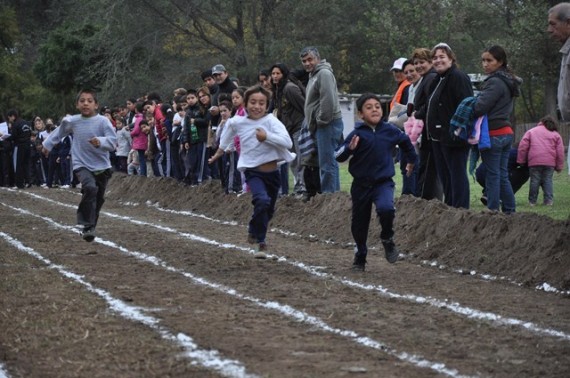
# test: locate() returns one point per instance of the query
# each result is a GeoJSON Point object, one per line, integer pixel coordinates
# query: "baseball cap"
{"type": "Point", "coordinates": [218, 68]}
{"type": "Point", "coordinates": [398, 64]}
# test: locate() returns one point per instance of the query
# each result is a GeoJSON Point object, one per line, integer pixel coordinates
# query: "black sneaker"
{"type": "Point", "coordinates": [359, 263]}
{"type": "Point", "coordinates": [391, 251]}
{"type": "Point", "coordinates": [484, 200]}
{"type": "Point", "coordinates": [88, 234]}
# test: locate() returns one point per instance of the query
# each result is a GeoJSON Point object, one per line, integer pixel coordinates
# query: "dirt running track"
{"type": "Point", "coordinates": [170, 288]}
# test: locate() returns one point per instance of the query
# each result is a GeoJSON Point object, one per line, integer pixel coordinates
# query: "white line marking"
{"type": "Point", "coordinates": [286, 310]}
{"type": "Point", "coordinates": [209, 359]}
{"type": "Point", "coordinates": [454, 307]}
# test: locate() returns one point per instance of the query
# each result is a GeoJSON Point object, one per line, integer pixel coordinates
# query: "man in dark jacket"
{"type": "Point", "coordinates": [21, 133]}
{"type": "Point", "coordinates": [225, 85]}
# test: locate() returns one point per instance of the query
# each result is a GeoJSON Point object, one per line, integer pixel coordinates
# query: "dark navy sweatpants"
{"type": "Point", "coordinates": [363, 196]}
{"type": "Point", "coordinates": [264, 188]}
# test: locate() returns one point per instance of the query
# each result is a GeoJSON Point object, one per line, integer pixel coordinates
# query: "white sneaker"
{"type": "Point", "coordinates": [65, 187]}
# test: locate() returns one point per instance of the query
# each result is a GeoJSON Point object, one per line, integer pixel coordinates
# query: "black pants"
{"type": "Point", "coordinates": [429, 185]}
{"type": "Point", "coordinates": [22, 171]}
{"type": "Point", "coordinates": [6, 166]}
{"type": "Point", "coordinates": [93, 195]}
{"type": "Point", "coordinates": [312, 178]}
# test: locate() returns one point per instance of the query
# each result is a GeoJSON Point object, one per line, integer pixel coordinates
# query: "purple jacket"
{"type": "Point", "coordinates": [539, 146]}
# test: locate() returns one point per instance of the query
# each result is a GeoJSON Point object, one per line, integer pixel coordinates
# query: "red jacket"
{"type": "Point", "coordinates": [159, 124]}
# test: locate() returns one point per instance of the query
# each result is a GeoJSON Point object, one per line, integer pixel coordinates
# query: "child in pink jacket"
{"type": "Point", "coordinates": [542, 149]}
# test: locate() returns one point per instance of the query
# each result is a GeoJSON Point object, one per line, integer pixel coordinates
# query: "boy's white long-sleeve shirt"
{"type": "Point", "coordinates": [253, 152]}
{"type": "Point", "coordinates": [83, 153]}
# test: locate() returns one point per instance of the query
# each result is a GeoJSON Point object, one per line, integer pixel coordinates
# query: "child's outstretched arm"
{"type": "Point", "coordinates": [347, 148]}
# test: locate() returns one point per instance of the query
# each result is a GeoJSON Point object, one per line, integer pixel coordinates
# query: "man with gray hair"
{"type": "Point", "coordinates": [322, 113]}
{"type": "Point", "coordinates": [559, 29]}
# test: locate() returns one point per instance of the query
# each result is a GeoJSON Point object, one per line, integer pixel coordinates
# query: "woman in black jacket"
{"type": "Point", "coordinates": [450, 154]}
{"type": "Point", "coordinates": [289, 102]}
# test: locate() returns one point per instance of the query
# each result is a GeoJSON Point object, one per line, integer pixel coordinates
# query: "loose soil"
{"type": "Point", "coordinates": [171, 288]}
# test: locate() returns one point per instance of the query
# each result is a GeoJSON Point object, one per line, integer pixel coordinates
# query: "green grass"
{"type": "Point", "coordinates": [560, 210]}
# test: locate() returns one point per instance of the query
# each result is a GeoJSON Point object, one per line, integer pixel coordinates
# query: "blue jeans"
{"type": "Point", "coordinates": [328, 138]}
{"type": "Point", "coordinates": [497, 184]}
{"type": "Point", "coordinates": [541, 176]}
{"type": "Point", "coordinates": [142, 163]}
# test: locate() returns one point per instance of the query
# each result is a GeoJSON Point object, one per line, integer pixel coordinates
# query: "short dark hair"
{"type": "Point", "coordinates": [12, 113]}
{"type": "Point", "coordinates": [154, 96]}
{"type": "Point", "coordinates": [88, 91]}
{"type": "Point", "coordinates": [227, 104]}
{"type": "Point", "coordinates": [206, 74]}
{"type": "Point", "coordinates": [365, 97]}
{"type": "Point", "coordinates": [550, 123]}
{"type": "Point", "coordinates": [257, 89]}
{"type": "Point", "coordinates": [139, 106]}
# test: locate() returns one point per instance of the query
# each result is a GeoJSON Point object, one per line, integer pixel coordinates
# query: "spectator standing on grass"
{"type": "Point", "coordinates": [130, 114]}
{"type": "Point", "coordinates": [542, 149]}
{"type": "Point", "coordinates": [194, 138]}
{"type": "Point", "coordinates": [238, 106]}
{"type": "Point", "coordinates": [401, 95]}
{"type": "Point", "coordinates": [94, 138]}
{"type": "Point", "coordinates": [6, 167]}
{"type": "Point", "coordinates": [153, 106]}
{"type": "Point", "coordinates": [224, 162]}
{"type": "Point", "coordinates": [289, 102]}
{"type": "Point", "coordinates": [124, 142]}
{"type": "Point", "coordinates": [265, 143]}
{"type": "Point", "coordinates": [139, 141]}
{"type": "Point", "coordinates": [369, 147]}
{"type": "Point", "coordinates": [176, 155]}
{"type": "Point", "coordinates": [21, 133]}
{"type": "Point", "coordinates": [409, 181]}
{"type": "Point", "coordinates": [496, 101]}
{"type": "Point", "coordinates": [64, 162]}
{"type": "Point", "coordinates": [225, 85]}
{"type": "Point", "coordinates": [450, 153]}
{"type": "Point", "coordinates": [559, 29]}
{"type": "Point", "coordinates": [323, 115]}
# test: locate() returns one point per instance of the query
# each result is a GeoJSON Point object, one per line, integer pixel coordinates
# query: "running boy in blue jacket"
{"type": "Point", "coordinates": [370, 144]}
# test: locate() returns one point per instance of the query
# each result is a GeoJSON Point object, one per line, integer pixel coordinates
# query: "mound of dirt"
{"type": "Point", "coordinates": [527, 248]}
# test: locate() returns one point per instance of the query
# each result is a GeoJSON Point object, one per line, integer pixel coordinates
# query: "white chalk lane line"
{"type": "Point", "coordinates": [454, 307]}
{"type": "Point", "coordinates": [207, 358]}
{"type": "Point", "coordinates": [288, 311]}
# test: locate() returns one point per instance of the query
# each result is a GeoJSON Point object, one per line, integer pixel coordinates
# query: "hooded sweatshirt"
{"type": "Point", "coordinates": [496, 99]}
{"type": "Point", "coordinates": [321, 102]}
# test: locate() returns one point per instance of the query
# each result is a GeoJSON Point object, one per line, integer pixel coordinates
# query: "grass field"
{"type": "Point", "coordinates": [560, 210]}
